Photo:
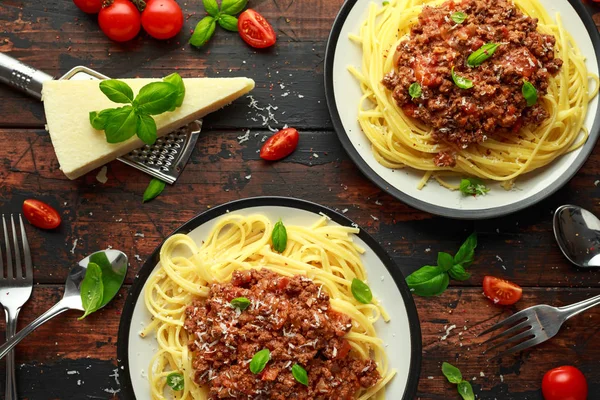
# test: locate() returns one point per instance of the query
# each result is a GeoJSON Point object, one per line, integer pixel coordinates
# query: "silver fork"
{"type": "Point", "coordinates": [534, 325]}
{"type": "Point", "coordinates": [15, 289]}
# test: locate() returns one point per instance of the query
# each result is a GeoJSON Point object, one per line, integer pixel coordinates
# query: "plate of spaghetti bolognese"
{"type": "Point", "coordinates": [465, 108]}
{"type": "Point", "coordinates": [269, 298]}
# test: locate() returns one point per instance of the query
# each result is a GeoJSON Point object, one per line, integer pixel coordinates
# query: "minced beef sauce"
{"type": "Point", "coordinates": [289, 316]}
{"type": "Point", "coordinates": [495, 102]}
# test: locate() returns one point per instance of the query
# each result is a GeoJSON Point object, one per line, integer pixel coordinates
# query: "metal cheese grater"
{"type": "Point", "coordinates": [164, 160]}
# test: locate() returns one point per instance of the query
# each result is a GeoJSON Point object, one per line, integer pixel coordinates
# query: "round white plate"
{"type": "Point", "coordinates": [343, 94]}
{"type": "Point", "coordinates": [402, 335]}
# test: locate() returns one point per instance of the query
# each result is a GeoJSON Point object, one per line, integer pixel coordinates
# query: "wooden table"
{"type": "Point", "coordinates": [70, 359]}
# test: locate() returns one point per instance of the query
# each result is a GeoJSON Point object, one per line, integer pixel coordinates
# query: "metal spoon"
{"type": "Point", "coordinates": [577, 232]}
{"type": "Point", "coordinates": [72, 298]}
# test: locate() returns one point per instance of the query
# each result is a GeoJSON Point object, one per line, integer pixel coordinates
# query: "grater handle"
{"type": "Point", "coordinates": [22, 76]}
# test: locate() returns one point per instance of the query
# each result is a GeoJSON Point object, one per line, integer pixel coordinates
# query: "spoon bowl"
{"type": "Point", "coordinates": [577, 232]}
{"type": "Point", "coordinates": [113, 262]}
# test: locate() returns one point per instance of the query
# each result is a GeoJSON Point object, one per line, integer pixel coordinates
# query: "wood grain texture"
{"type": "Point", "coordinates": [69, 359]}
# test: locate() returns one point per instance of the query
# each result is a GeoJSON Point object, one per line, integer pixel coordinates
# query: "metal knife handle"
{"type": "Point", "coordinates": [21, 76]}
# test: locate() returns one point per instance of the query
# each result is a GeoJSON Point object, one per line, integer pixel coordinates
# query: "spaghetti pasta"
{"type": "Point", "coordinates": [398, 141]}
{"type": "Point", "coordinates": [324, 253]}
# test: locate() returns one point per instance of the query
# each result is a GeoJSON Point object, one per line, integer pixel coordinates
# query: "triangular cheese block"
{"type": "Point", "coordinates": [80, 148]}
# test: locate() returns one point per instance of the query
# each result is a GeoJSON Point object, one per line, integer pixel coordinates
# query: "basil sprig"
{"type": "Point", "coordinates": [155, 187]}
{"type": "Point", "coordinates": [361, 291]}
{"type": "Point", "coordinates": [454, 376]}
{"type": "Point", "coordinates": [481, 54]}
{"type": "Point", "coordinates": [414, 90]}
{"type": "Point", "coordinates": [100, 283]}
{"type": "Point", "coordinates": [279, 237]}
{"type": "Point", "coordinates": [530, 93]}
{"type": "Point", "coordinates": [460, 81]}
{"type": "Point", "coordinates": [458, 17]}
{"type": "Point", "coordinates": [259, 361]}
{"type": "Point", "coordinates": [240, 302]}
{"type": "Point", "coordinates": [120, 124]}
{"type": "Point", "coordinates": [433, 280]}
{"type": "Point", "coordinates": [300, 374]}
{"type": "Point", "coordinates": [225, 17]}
{"type": "Point", "coordinates": [175, 381]}
{"type": "Point", "coordinates": [473, 187]}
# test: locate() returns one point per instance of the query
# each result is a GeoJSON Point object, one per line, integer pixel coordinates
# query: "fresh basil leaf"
{"type": "Point", "coordinates": [481, 54]}
{"type": "Point", "coordinates": [175, 80]}
{"type": "Point", "coordinates": [361, 291]}
{"type": "Point", "coordinates": [211, 7]}
{"type": "Point", "coordinates": [458, 17]}
{"type": "Point", "coordinates": [233, 7]}
{"type": "Point", "coordinates": [428, 281]}
{"type": "Point", "coordinates": [175, 381]}
{"type": "Point", "coordinates": [461, 82]}
{"type": "Point", "coordinates": [445, 261]}
{"type": "Point", "coordinates": [259, 361]}
{"type": "Point", "coordinates": [466, 390]}
{"type": "Point", "coordinates": [155, 187]}
{"type": "Point", "coordinates": [530, 93]}
{"type": "Point", "coordinates": [458, 272]}
{"type": "Point", "coordinates": [385, 3]}
{"type": "Point", "coordinates": [203, 32]}
{"type": "Point", "coordinates": [240, 302]}
{"type": "Point", "coordinates": [146, 129]}
{"type": "Point", "coordinates": [228, 22]}
{"type": "Point", "coordinates": [116, 90]}
{"type": "Point", "coordinates": [451, 373]}
{"type": "Point", "coordinates": [120, 125]}
{"type": "Point", "coordinates": [300, 374]}
{"type": "Point", "coordinates": [279, 237]}
{"type": "Point", "coordinates": [156, 98]}
{"type": "Point", "coordinates": [98, 119]}
{"type": "Point", "coordinates": [111, 279]}
{"type": "Point", "coordinates": [414, 90]}
{"type": "Point", "coordinates": [473, 187]}
{"type": "Point", "coordinates": [466, 253]}
{"type": "Point", "coordinates": [91, 289]}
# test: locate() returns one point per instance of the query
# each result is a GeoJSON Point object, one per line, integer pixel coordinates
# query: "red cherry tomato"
{"type": "Point", "coordinates": [162, 19]}
{"type": "Point", "coordinates": [120, 20]}
{"type": "Point", "coordinates": [280, 145]}
{"type": "Point", "coordinates": [255, 30]}
{"type": "Point", "coordinates": [501, 291]}
{"type": "Point", "coordinates": [89, 6]}
{"type": "Point", "coordinates": [40, 214]}
{"type": "Point", "coordinates": [564, 383]}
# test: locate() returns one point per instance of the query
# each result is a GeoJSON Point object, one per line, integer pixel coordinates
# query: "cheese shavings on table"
{"type": "Point", "coordinates": [80, 148]}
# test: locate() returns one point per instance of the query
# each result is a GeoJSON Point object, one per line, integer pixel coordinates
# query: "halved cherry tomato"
{"type": "Point", "coordinates": [120, 21]}
{"type": "Point", "coordinates": [255, 30]}
{"type": "Point", "coordinates": [162, 19]}
{"type": "Point", "coordinates": [40, 214]}
{"type": "Point", "coordinates": [89, 6]}
{"type": "Point", "coordinates": [501, 291]}
{"type": "Point", "coordinates": [280, 145]}
{"type": "Point", "coordinates": [564, 383]}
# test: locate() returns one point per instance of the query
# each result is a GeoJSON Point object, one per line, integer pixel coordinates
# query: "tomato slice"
{"type": "Point", "coordinates": [255, 30]}
{"type": "Point", "coordinates": [564, 383]}
{"type": "Point", "coordinates": [501, 291]}
{"type": "Point", "coordinates": [41, 214]}
{"type": "Point", "coordinates": [280, 145]}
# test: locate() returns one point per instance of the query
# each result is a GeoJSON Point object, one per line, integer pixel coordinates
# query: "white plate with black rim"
{"type": "Point", "coordinates": [402, 335]}
{"type": "Point", "coordinates": [343, 94]}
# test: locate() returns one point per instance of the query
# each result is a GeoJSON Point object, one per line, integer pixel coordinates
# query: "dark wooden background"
{"type": "Point", "coordinates": [70, 359]}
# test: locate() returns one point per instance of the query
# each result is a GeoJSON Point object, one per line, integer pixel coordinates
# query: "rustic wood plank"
{"type": "Point", "coordinates": [89, 346]}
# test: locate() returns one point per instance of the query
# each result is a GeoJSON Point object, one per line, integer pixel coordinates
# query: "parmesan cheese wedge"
{"type": "Point", "coordinates": [80, 148]}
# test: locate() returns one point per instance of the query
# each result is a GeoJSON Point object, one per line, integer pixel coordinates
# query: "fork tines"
{"type": "Point", "coordinates": [519, 330]}
{"type": "Point", "coordinates": [15, 270]}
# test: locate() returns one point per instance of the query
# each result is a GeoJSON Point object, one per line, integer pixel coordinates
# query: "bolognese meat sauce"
{"type": "Point", "coordinates": [495, 103]}
{"type": "Point", "coordinates": [289, 316]}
